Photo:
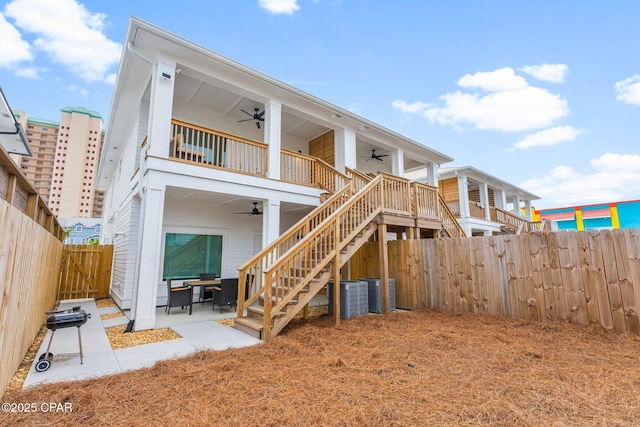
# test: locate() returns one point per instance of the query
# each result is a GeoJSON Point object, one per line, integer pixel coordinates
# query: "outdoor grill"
{"type": "Point", "coordinates": [59, 320]}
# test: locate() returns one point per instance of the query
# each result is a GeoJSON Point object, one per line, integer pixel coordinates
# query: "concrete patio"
{"type": "Point", "coordinates": [199, 331]}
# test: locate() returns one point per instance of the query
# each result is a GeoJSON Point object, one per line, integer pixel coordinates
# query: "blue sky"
{"type": "Point", "coordinates": [542, 94]}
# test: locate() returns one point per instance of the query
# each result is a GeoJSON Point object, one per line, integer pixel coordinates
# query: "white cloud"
{"type": "Point", "coordinates": [69, 34]}
{"type": "Point", "coordinates": [553, 73]}
{"type": "Point", "coordinates": [500, 80]}
{"type": "Point", "coordinates": [28, 73]}
{"type": "Point", "coordinates": [551, 136]}
{"type": "Point", "coordinates": [279, 6]}
{"type": "Point", "coordinates": [613, 177]}
{"type": "Point", "coordinates": [505, 102]}
{"type": "Point", "coordinates": [413, 108]}
{"type": "Point", "coordinates": [618, 162]}
{"type": "Point", "coordinates": [629, 90]}
{"type": "Point", "coordinates": [13, 48]}
{"type": "Point", "coordinates": [80, 91]}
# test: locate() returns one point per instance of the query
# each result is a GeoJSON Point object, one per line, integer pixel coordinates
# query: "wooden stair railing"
{"type": "Point", "coordinates": [517, 224]}
{"type": "Point", "coordinates": [449, 222]}
{"type": "Point", "coordinates": [358, 179]}
{"type": "Point", "coordinates": [251, 272]}
{"type": "Point", "coordinates": [303, 270]}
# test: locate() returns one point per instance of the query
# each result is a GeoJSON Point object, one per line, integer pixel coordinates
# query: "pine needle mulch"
{"type": "Point", "coordinates": [398, 369]}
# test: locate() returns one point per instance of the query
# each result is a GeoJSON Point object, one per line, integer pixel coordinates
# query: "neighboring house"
{"type": "Point", "coordinates": [483, 204]}
{"type": "Point", "coordinates": [82, 231]}
{"type": "Point", "coordinates": [601, 216]}
{"type": "Point", "coordinates": [207, 162]}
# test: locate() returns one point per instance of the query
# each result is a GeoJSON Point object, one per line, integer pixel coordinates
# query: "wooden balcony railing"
{"type": "Point", "coordinates": [476, 211]}
{"type": "Point", "coordinates": [396, 195]}
{"type": "Point", "coordinates": [210, 148]}
{"type": "Point", "coordinates": [207, 147]}
{"type": "Point", "coordinates": [425, 201]}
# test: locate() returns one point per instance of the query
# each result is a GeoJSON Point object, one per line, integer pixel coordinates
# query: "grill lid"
{"type": "Point", "coordinates": [66, 318]}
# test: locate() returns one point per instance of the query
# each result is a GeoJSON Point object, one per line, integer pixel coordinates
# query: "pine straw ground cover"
{"type": "Point", "coordinates": [398, 369]}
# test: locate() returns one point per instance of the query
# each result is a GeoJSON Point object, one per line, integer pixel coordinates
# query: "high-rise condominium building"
{"type": "Point", "coordinates": [65, 159]}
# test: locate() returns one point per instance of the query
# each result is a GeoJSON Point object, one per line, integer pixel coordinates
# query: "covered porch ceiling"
{"type": "Point", "coordinates": [192, 88]}
{"type": "Point", "coordinates": [229, 202]}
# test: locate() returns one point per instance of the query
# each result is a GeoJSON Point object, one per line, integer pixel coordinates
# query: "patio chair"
{"type": "Point", "coordinates": [226, 294]}
{"type": "Point", "coordinates": [179, 296]}
{"type": "Point", "coordinates": [206, 292]}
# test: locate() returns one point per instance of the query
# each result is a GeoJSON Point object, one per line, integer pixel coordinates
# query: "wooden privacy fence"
{"type": "Point", "coordinates": [29, 268]}
{"type": "Point", "coordinates": [85, 271]}
{"type": "Point", "coordinates": [584, 277]}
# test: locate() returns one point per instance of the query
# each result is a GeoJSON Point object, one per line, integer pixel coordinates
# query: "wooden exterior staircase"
{"type": "Point", "coordinates": [280, 280]}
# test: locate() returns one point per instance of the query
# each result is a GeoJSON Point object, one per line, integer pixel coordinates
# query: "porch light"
{"type": "Point", "coordinates": [12, 136]}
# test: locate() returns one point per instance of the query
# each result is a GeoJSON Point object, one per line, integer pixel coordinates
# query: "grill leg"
{"type": "Point", "coordinates": [49, 346]}
{"type": "Point", "coordinates": [80, 344]}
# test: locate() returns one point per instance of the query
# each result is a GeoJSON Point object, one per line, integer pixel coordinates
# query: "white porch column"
{"type": "Point", "coordinates": [397, 162]}
{"type": "Point", "coordinates": [270, 221]}
{"type": "Point", "coordinates": [161, 106]}
{"type": "Point", "coordinates": [500, 199]}
{"type": "Point", "coordinates": [484, 200]}
{"type": "Point", "coordinates": [144, 303]}
{"type": "Point", "coordinates": [272, 137]}
{"type": "Point", "coordinates": [432, 174]}
{"type": "Point", "coordinates": [515, 201]}
{"type": "Point", "coordinates": [345, 149]}
{"type": "Point", "coordinates": [463, 196]}
{"type": "Point", "coordinates": [527, 208]}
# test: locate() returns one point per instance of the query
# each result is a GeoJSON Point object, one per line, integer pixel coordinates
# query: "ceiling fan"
{"type": "Point", "coordinates": [258, 117]}
{"type": "Point", "coordinates": [376, 156]}
{"type": "Point", "coordinates": [252, 212]}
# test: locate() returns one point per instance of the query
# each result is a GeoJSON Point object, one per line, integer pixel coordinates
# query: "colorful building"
{"type": "Point", "coordinates": [604, 216]}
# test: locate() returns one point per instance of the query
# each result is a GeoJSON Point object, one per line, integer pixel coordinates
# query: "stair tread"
{"type": "Point", "coordinates": [250, 323]}
{"type": "Point", "coordinates": [260, 310]}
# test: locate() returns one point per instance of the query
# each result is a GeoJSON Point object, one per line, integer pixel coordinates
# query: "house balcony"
{"type": "Point", "coordinates": [509, 222]}
{"type": "Point", "coordinates": [218, 150]}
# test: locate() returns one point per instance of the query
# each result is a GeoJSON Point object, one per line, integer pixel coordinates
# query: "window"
{"type": "Point", "coordinates": [97, 228]}
{"type": "Point", "coordinates": [79, 227]}
{"type": "Point", "coordinates": [188, 255]}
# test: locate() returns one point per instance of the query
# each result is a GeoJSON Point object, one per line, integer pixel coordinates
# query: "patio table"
{"type": "Point", "coordinates": [201, 284]}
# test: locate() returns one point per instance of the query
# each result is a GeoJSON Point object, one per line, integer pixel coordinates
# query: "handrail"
{"type": "Point", "coordinates": [254, 268]}
{"type": "Point", "coordinates": [211, 148]}
{"type": "Point", "coordinates": [519, 222]}
{"type": "Point", "coordinates": [299, 265]}
{"type": "Point", "coordinates": [358, 179]}
{"type": "Point", "coordinates": [449, 221]}
{"type": "Point", "coordinates": [196, 144]}
{"type": "Point", "coordinates": [327, 177]}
